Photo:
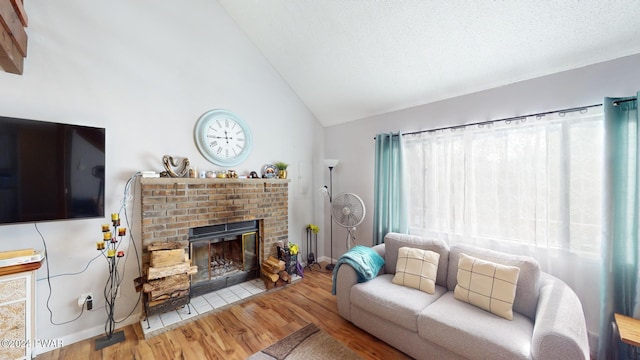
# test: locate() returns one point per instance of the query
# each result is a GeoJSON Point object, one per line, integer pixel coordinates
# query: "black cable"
{"type": "Point", "coordinates": [114, 276]}
{"type": "Point", "coordinates": [135, 247]}
{"type": "Point", "coordinates": [71, 274]}
{"type": "Point", "coordinates": [46, 258]}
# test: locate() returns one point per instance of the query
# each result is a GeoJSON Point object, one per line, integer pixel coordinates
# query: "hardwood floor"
{"type": "Point", "coordinates": [242, 330]}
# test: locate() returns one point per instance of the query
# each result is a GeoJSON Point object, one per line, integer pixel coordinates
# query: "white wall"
{"type": "Point", "coordinates": [146, 70]}
{"type": "Point", "coordinates": [353, 143]}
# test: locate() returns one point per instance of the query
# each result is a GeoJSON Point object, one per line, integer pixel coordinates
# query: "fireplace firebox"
{"type": "Point", "coordinates": [226, 254]}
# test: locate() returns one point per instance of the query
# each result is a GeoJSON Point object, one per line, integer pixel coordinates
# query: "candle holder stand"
{"type": "Point", "coordinates": [109, 248]}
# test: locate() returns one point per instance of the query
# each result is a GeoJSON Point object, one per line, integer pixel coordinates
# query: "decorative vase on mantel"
{"type": "Point", "coordinates": [282, 169]}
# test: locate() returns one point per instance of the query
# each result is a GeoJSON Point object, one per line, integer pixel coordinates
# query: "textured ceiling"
{"type": "Point", "coordinates": [351, 59]}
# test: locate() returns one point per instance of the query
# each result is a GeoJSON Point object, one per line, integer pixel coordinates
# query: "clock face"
{"type": "Point", "coordinates": [223, 138]}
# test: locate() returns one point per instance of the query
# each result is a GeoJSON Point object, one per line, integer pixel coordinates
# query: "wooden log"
{"type": "Point", "coordinates": [268, 284]}
{"type": "Point", "coordinates": [280, 283]}
{"type": "Point", "coordinates": [156, 273]}
{"type": "Point", "coordinates": [269, 275]}
{"type": "Point", "coordinates": [138, 283]}
{"type": "Point", "coordinates": [164, 298]}
{"type": "Point", "coordinates": [164, 245]}
{"type": "Point", "coordinates": [167, 284]}
{"type": "Point", "coordinates": [281, 264]}
{"type": "Point", "coordinates": [285, 276]}
{"type": "Point", "coordinates": [162, 258]}
{"type": "Point", "coordinates": [158, 294]}
{"type": "Point", "coordinates": [270, 268]}
{"type": "Point", "coordinates": [273, 265]}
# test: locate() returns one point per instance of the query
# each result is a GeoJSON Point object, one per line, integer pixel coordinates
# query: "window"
{"type": "Point", "coordinates": [534, 182]}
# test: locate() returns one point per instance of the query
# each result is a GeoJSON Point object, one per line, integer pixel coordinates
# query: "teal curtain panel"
{"type": "Point", "coordinates": [620, 245]}
{"type": "Point", "coordinates": [390, 198]}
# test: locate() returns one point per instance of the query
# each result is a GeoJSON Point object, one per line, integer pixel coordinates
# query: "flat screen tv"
{"type": "Point", "coordinates": [50, 171]}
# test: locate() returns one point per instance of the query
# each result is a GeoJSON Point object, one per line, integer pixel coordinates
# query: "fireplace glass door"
{"type": "Point", "coordinates": [224, 261]}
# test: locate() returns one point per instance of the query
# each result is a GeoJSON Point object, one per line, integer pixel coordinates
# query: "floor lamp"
{"type": "Point", "coordinates": [330, 163]}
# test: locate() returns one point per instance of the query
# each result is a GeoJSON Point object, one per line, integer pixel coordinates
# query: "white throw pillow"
{"type": "Point", "coordinates": [487, 285]}
{"type": "Point", "coordinates": [417, 268]}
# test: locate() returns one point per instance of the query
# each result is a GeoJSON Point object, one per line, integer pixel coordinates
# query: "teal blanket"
{"type": "Point", "coordinates": [364, 260]}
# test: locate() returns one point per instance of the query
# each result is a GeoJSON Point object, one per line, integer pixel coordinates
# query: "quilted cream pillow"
{"type": "Point", "coordinates": [487, 285]}
{"type": "Point", "coordinates": [417, 268]}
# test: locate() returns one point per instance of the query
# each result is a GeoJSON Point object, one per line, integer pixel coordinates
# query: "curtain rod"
{"type": "Point", "coordinates": [615, 103]}
{"type": "Point", "coordinates": [563, 111]}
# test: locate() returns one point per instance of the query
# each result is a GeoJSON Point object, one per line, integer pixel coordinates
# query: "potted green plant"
{"type": "Point", "coordinates": [282, 169]}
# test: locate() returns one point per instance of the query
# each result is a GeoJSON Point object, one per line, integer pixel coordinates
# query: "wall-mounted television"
{"type": "Point", "coordinates": [50, 171]}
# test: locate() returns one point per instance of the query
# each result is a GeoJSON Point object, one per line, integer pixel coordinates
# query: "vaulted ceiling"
{"type": "Point", "coordinates": [351, 59]}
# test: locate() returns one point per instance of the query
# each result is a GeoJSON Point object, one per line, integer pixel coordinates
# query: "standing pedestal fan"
{"type": "Point", "coordinates": [348, 211]}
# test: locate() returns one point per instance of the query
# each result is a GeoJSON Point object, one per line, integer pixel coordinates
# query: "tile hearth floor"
{"type": "Point", "coordinates": [213, 301]}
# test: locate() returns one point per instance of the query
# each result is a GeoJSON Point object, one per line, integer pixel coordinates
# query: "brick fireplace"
{"type": "Point", "coordinates": [173, 207]}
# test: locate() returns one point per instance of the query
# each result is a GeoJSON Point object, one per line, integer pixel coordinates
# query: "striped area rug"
{"type": "Point", "coordinates": [308, 343]}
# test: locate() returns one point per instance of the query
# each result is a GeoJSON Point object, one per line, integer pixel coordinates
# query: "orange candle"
{"type": "Point", "coordinates": [105, 227]}
{"type": "Point", "coordinates": [120, 253]}
{"type": "Point", "coordinates": [100, 245]}
{"type": "Point", "coordinates": [107, 235]}
{"type": "Point", "coordinates": [122, 231]}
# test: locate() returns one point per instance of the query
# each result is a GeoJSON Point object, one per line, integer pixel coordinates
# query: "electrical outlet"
{"type": "Point", "coordinates": [83, 299]}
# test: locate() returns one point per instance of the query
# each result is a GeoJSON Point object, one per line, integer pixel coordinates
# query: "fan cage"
{"type": "Point", "coordinates": [348, 210]}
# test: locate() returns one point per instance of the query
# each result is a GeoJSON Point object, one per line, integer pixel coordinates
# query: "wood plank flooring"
{"type": "Point", "coordinates": [242, 329]}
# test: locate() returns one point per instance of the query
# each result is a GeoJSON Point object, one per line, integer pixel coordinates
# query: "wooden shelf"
{"type": "Point", "coordinates": [178, 180]}
{"type": "Point", "coordinates": [14, 269]}
{"type": "Point", "coordinates": [629, 329]}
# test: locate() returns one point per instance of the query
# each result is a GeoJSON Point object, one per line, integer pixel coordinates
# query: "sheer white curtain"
{"type": "Point", "coordinates": [530, 186]}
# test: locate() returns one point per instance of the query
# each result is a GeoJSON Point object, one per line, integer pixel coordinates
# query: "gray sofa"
{"type": "Point", "coordinates": [548, 321]}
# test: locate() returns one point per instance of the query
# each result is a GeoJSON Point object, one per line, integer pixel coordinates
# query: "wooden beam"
{"type": "Point", "coordinates": [10, 58]}
{"type": "Point", "coordinates": [12, 24]}
{"type": "Point", "coordinates": [19, 8]}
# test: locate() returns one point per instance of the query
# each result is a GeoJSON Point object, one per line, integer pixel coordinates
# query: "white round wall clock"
{"type": "Point", "coordinates": [223, 138]}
